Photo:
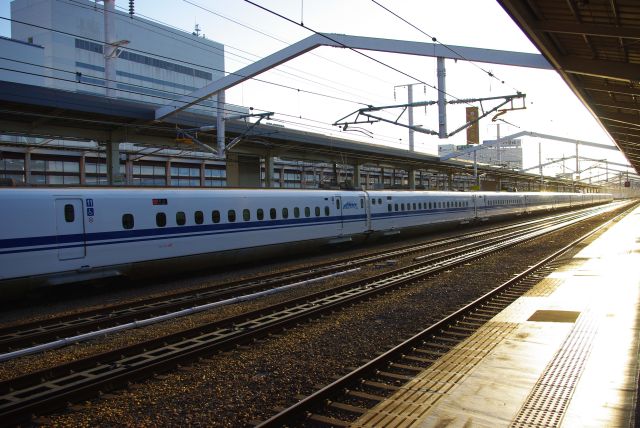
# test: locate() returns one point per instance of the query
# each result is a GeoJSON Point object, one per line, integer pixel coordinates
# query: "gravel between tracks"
{"type": "Point", "coordinates": [244, 385]}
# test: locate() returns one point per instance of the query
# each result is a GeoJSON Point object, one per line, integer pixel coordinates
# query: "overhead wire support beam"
{"type": "Point", "coordinates": [462, 53]}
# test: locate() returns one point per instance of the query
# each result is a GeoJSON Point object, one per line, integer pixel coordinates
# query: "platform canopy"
{"type": "Point", "coordinates": [595, 46]}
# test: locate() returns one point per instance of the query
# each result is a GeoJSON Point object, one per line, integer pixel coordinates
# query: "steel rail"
{"type": "Point", "coordinates": [307, 408]}
{"type": "Point", "coordinates": [49, 389]}
{"type": "Point", "coordinates": [38, 332]}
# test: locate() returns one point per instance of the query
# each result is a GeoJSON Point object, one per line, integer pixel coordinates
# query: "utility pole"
{"type": "Point", "coordinates": [410, 100]}
{"type": "Point", "coordinates": [110, 47]}
{"type": "Point", "coordinates": [442, 100]}
{"type": "Point", "coordinates": [499, 155]}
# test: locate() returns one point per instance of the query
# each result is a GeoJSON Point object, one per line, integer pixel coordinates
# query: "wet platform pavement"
{"type": "Point", "coordinates": [566, 354]}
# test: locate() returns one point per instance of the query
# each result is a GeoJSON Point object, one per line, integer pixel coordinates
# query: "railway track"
{"type": "Point", "coordinates": [49, 389]}
{"type": "Point", "coordinates": [30, 334]}
{"type": "Point", "coordinates": [351, 396]}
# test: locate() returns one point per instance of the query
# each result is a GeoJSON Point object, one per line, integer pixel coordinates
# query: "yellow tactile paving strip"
{"type": "Point", "coordinates": [409, 405]}
{"type": "Point", "coordinates": [486, 380]}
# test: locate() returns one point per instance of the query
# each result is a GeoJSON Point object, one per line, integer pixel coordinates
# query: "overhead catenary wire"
{"type": "Point", "coordinates": [384, 64]}
{"type": "Point", "coordinates": [228, 110]}
{"type": "Point", "coordinates": [435, 40]}
{"type": "Point", "coordinates": [219, 51]}
{"type": "Point", "coordinates": [187, 62]}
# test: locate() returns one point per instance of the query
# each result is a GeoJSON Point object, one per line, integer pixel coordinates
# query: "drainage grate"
{"type": "Point", "coordinates": [546, 404]}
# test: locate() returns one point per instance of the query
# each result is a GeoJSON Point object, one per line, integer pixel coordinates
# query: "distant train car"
{"type": "Point", "coordinates": [56, 236]}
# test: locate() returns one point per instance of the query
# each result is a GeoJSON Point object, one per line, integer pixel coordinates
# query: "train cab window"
{"type": "Point", "coordinates": [181, 218]}
{"type": "Point", "coordinates": [296, 212]}
{"type": "Point", "coordinates": [307, 212]}
{"type": "Point", "coordinates": [69, 213]}
{"type": "Point", "coordinates": [317, 211]}
{"type": "Point", "coordinates": [285, 212]}
{"type": "Point", "coordinates": [326, 211]}
{"type": "Point", "coordinates": [161, 219]}
{"type": "Point", "coordinates": [246, 214]}
{"type": "Point", "coordinates": [260, 214]}
{"type": "Point", "coordinates": [198, 217]}
{"type": "Point", "coordinates": [215, 216]}
{"type": "Point", "coordinates": [127, 221]}
{"type": "Point", "coordinates": [231, 216]}
{"type": "Point", "coordinates": [272, 213]}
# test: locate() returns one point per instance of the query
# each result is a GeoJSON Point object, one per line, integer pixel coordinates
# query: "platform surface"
{"type": "Point", "coordinates": [563, 355]}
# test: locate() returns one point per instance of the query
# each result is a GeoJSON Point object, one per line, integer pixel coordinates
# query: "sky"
{"type": "Point", "coordinates": [329, 83]}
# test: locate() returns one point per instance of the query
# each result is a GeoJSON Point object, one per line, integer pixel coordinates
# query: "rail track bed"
{"type": "Point", "coordinates": [234, 386]}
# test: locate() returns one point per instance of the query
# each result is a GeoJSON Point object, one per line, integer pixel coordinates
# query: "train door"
{"type": "Point", "coordinates": [366, 202]}
{"type": "Point", "coordinates": [70, 229]}
{"type": "Point", "coordinates": [340, 225]}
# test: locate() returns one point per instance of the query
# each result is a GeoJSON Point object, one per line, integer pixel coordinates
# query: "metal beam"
{"type": "Point", "coordinates": [599, 30]}
{"type": "Point", "coordinates": [600, 68]}
{"type": "Point", "coordinates": [519, 59]}
{"type": "Point", "coordinates": [489, 143]}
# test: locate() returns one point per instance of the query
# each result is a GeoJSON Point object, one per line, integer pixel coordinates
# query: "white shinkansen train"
{"type": "Point", "coordinates": [55, 236]}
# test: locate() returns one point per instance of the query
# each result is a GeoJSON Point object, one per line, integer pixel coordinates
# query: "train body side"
{"type": "Point", "coordinates": [64, 235]}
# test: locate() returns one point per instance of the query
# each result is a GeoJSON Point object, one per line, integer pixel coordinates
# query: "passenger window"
{"type": "Point", "coordinates": [338, 204]}
{"type": "Point", "coordinates": [272, 213]}
{"type": "Point", "coordinates": [414, 206]}
{"type": "Point", "coordinates": [161, 219]}
{"type": "Point", "coordinates": [389, 208]}
{"type": "Point", "coordinates": [198, 217]}
{"type": "Point", "coordinates": [317, 211]}
{"type": "Point", "coordinates": [395, 206]}
{"type": "Point", "coordinates": [285, 212]}
{"type": "Point", "coordinates": [127, 221]}
{"type": "Point", "coordinates": [307, 212]}
{"type": "Point", "coordinates": [296, 212]}
{"type": "Point", "coordinates": [246, 214]}
{"type": "Point", "coordinates": [215, 216]}
{"type": "Point", "coordinates": [373, 201]}
{"type": "Point", "coordinates": [181, 218]}
{"type": "Point", "coordinates": [379, 201]}
{"type": "Point", "coordinates": [401, 207]}
{"type": "Point", "coordinates": [326, 211]}
{"type": "Point", "coordinates": [69, 213]}
{"type": "Point", "coordinates": [260, 214]}
{"type": "Point", "coordinates": [231, 216]}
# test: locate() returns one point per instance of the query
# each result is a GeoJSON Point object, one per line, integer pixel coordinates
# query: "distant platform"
{"type": "Point", "coordinates": [565, 354]}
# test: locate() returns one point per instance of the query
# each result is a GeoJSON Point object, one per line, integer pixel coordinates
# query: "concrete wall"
{"type": "Point", "coordinates": [20, 57]}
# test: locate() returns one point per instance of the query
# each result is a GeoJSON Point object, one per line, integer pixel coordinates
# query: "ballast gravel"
{"type": "Point", "coordinates": [245, 385]}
